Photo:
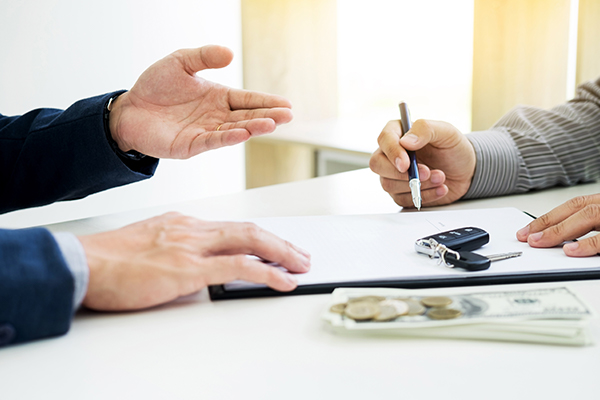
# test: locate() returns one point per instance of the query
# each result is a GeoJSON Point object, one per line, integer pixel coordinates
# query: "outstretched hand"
{"type": "Point", "coordinates": [172, 113]}
{"type": "Point", "coordinates": [155, 261]}
{"type": "Point", "coordinates": [446, 162]}
{"type": "Point", "coordinates": [568, 221]}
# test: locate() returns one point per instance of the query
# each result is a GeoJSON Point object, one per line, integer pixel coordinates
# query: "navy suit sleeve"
{"type": "Point", "coordinates": [49, 155]}
{"type": "Point", "coordinates": [36, 286]}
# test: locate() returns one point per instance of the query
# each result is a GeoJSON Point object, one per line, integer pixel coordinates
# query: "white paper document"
{"type": "Point", "coordinates": [380, 247]}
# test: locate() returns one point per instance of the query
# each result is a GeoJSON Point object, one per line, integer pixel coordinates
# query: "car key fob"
{"type": "Point", "coordinates": [467, 261]}
{"type": "Point", "coordinates": [462, 239]}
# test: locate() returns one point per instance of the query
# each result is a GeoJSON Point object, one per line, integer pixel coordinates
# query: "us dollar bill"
{"type": "Point", "coordinates": [546, 315]}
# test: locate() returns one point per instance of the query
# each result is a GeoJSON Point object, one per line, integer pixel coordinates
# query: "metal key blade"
{"type": "Point", "coordinates": [504, 256]}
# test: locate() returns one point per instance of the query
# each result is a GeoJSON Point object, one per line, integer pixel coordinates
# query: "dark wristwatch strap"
{"type": "Point", "coordinates": [128, 155]}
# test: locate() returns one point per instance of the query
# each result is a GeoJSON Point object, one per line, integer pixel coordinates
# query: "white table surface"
{"type": "Point", "coordinates": [278, 347]}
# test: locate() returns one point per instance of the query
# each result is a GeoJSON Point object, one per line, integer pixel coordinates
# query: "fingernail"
{"type": "Point", "coordinates": [398, 167]}
{"type": "Point", "coordinates": [523, 232]}
{"type": "Point", "coordinates": [302, 251]}
{"type": "Point", "coordinates": [305, 261]}
{"type": "Point", "coordinates": [291, 279]}
{"type": "Point", "coordinates": [534, 237]}
{"type": "Point", "coordinates": [410, 138]}
{"type": "Point", "coordinates": [571, 246]}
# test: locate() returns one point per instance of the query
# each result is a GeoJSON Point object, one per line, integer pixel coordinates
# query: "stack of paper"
{"type": "Point", "coordinates": [546, 315]}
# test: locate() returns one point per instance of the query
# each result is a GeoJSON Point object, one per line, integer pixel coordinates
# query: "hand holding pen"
{"type": "Point", "coordinates": [413, 169]}
{"type": "Point", "coordinates": [446, 161]}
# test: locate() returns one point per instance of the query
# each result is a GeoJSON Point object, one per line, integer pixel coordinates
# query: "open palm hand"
{"type": "Point", "coordinates": [172, 113]}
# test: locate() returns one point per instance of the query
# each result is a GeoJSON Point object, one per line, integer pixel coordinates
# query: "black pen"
{"type": "Point", "coordinates": [413, 169]}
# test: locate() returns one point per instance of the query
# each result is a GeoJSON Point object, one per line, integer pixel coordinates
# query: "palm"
{"type": "Point", "coordinates": [172, 113]}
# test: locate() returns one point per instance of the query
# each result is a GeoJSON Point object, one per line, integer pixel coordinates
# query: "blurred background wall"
{"type": "Point", "coordinates": [344, 64]}
{"type": "Point", "coordinates": [55, 52]}
{"type": "Point", "coordinates": [348, 63]}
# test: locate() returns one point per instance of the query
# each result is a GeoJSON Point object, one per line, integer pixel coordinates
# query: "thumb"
{"type": "Point", "coordinates": [205, 57]}
{"type": "Point", "coordinates": [436, 133]}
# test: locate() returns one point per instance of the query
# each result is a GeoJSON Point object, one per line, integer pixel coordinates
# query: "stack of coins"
{"type": "Point", "coordinates": [381, 309]}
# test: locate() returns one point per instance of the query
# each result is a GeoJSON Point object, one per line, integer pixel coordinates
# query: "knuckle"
{"type": "Point", "coordinates": [421, 125]}
{"type": "Point", "coordinates": [592, 212]}
{"type": "Point", "coordinates": [388, 185]}
{"type": "Point", "coordinates": [169, 215]}
{"type": "Point", "coordinates": [381, 138]}
{"type": "Point", "coordinates": [374, 162]}
{"type": "Point", "coordinates": [251, 230]}
{"type": "Point", "coordinates": [543, 220]}
{"type": "Point", "coordinates": [240, 263]}
{"type": "Point", "coordinates": [557, 230]}
{"type": "Point", "coordinates": [184, 220]}
{"type": "Point", "coordinates": [578, 203]}
{"type": "Point", "coordinates": [401, 200]}
{"type": "Point", "coordinates": [594, 242]}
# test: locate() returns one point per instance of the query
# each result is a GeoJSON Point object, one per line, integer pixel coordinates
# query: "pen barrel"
{"type": "Point", "coordinates": [404, 118]}
{"type": "Point", "coordinates": [413, 169]}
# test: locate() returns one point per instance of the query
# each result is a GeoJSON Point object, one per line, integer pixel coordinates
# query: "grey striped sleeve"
{"type": "Point", "coordinates": [530, 148]}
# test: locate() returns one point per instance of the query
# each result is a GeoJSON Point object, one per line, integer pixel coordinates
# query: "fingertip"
{"type": "Point", "coordinates": [283, 116]}
{"type": "Point", "coordinates": [285, 102]}
{"type": "Point", "coordinates": [410, 141]}
{"type": "Point", "coordinates": [437, 177]}
{"type": "Point", "coordinates": [300, 250]}
{"type": "Point", "coordinates": [582, 248]}
{"type": "Point", "coordinates": [534, 239]}
{"type": "Point", "coordinates": [215, 56]}
{"type": "Point", "coordinates": [275, 100]}
{"type": "Point", "coordinates": [571, 249]}
{"type": "Point", "coordinates": [523, 233]}
{"type": "Point", "coordinates": [398, 164]}
{"type": "Point", "coordinates": [261, 126]}
{"type": "Point", "coordinates": [290, 282]}
{"type": "Point", "coordinates": [441, 191]}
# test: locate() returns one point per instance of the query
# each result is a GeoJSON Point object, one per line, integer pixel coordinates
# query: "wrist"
{"type": "Point", "coordinates": [113, 114]}
{"type": "Point", "coordinates": [114, 107]}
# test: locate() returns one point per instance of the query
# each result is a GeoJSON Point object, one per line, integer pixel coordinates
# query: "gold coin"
{"type": "Point", "coordinates": [362, 310]}
{"type": "Point", "coordinates": [414, 307]}
{"type": "Point", "coordinates": [436, 301]}
{"type": "Point", "coordinates": [366, 298]}
{"type": "Point", "coordinates": [338, 308]}
{"type": "Point", "coordinates": [443, 313]}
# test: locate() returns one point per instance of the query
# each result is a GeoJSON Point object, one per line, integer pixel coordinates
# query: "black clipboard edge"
{"type": "Point", "coordinates": [218, 292]}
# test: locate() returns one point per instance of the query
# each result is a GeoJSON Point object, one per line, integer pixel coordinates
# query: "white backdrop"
{"type": "Point", "coordinates": [55, 52]}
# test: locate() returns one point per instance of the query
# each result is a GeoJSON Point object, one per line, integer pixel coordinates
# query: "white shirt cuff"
{"type": "Point", "coordinates": [74, 255]}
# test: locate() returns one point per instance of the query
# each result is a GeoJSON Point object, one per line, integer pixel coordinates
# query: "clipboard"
{"type": "Point", "coordinates": [378, 251]}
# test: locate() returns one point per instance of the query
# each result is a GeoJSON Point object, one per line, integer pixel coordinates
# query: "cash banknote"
{"type": "Point", "coordinates": [544, 315]}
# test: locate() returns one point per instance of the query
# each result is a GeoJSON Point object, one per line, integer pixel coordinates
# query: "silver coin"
{"type": "Point", "coordinates": [391, 309]}
{"type": "Point", "coordinates": [414, 307]}
{"type": "Point", "coordinates": [387, 313]}
{"type": "Point", "coordinates": [401, 306]}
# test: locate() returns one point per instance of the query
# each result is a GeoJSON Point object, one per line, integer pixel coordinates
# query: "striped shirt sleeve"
{"type": "Point", "coordinates": [531, 148]}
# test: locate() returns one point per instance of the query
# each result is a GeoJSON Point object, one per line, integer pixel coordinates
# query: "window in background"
{"type": "Point", "coordinates": [417, 51]}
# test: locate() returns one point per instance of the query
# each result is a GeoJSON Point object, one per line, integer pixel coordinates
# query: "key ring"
{"type": "Point", "coordinates": [439, 250]}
